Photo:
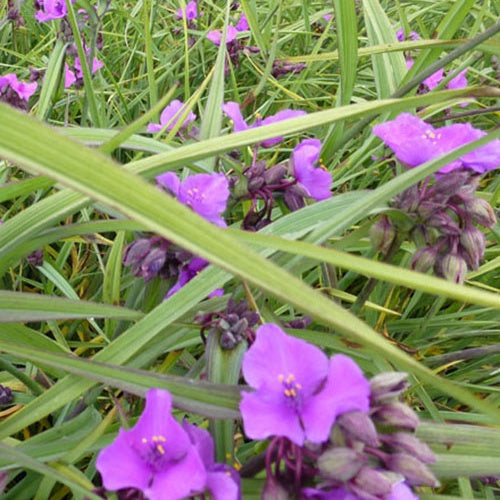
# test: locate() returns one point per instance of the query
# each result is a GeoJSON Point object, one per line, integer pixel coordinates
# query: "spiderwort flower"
{"type": "Point", "coordinates": [299, 392]}
{"type": "Point", "coordinates": [233, 111]}
{"type": "Point", "coordinates": [316, 181]}
{"type": "Point", "coordinates": [191, 11]}
{"type": "Point", "coordinates": [23, 90]}
{"type": "Point", "coordinates": [170, 116]}
{"type": "Point", "coordinates": [51, 9]}
{"type": "Point", "coordinates": [206, 194]}
{"type": "Point", "coordinates": [415, 142]}
{"type": "Point", "coordinates": [215, 36]}
{"type": "Point", "coordinates": [156, 456]}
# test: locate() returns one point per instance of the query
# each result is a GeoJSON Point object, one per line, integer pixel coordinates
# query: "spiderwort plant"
{"type": "Point", "coordinates": [14, 92]}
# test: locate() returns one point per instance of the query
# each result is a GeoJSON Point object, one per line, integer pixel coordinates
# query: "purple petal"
{"type": "Point", "coordinates": [69, 76]}
{"type": "Point", "coordinates": [400, 491]}
{"type": "Point", "coordinates": [316, 181]}
{"type": "Point", "coordinates": [202, 441]}
{"type": "Point", "coordinates": [275, 354]}
{"type": "Point", "coordinates": [459, 81]}
{"type": "Point", "coordinates": [400, 35]}
{"type": "Point", "coordinates": [121, 466]}
{"type": "Point", "coordinates": [180, 479]}
{"type": "Point", "coordinates": [263, 418]}
{"type": "Point", "coordinates": [224, 483]}
{"type": "Point", "coordinates": [338, 494]}
{"type": "Point", "coordinates": [215, 36]}
{"type": "Point", "coordinates": [25, 90]}
{"type": "Point", "coordinates": [154, 127]}
{"type": "Point", "coordinates": [242, 23]}
{"type": "Point", "coordinates": [170, 181]}
{"type": "Point", "coordinates": [232, 110]}
{"type": "Point", "coordinates": [484, 159]}
{"type": "Point", "coordinates": [171, 114]}
{"type": "Point", "coordinates": [285, 114]}
{"type": "Point", "coordinates": [349, 387]}
{"type": "Point", "coordinates": [187, 273]}
{"type": "Point", "coordinates": [434, 80]}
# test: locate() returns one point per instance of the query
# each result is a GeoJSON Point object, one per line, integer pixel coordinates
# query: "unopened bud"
{"type": "Point", "coordinates": [255, 183]}
{"type": "Point", "coordinates": [340, 464]}
{"type": "Point", "coordinates": [415, 472]}
{"type": "Point", "coordinates": [5, 395]}
{"type": "Point", "coordinates": [451, 267]}
{"type": "Point", "coordinates": [152, 264]}
{"type": "Point", "coordinates": [388, 385]}
{"type": "Point", "coordinates": [275, 174]}
{"type": "Point", "coordinates": [359, 426]}
{"type": "Point", "coordinates": [424, 259]}
{"type": "Point", "coordinates": [293, 200]}
{"type": "Point", "coordinates": [382, 235]}
{"type": "Point", "coordinates": [444, 223]}
{"type": "Point", "coordinates": [473, 242]}
{"type": "Point", "coordinates": [371, 482]}
{"type": "Point", "coordinates": [398, 415]}
{"type": "Point", "coordinates": [448, 184]}
{"type": "Point", "coordinates": [404, 442]}
{"type": "Point", "coordinates": [136, 251]}
{"type": "Point", "coordinates": [480, 211]}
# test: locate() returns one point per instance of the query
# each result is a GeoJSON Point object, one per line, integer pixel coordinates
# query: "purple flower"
{"type": "Point", "coordinates": [415, 142]}
{"type": "Point", "coordinates": [96, 65]}
{"type": "Point", "coordinates": [215, 36]}
{"type": "Point", "coordinates": [22, 89]}
{"type": "Point", "coordinates": [69, 76]}
{"type": "Point", "coordinates": [299, 392]}
{"type": "Point", "coordinates": [316, 181]}
{"type": "Point", "coordinates": [51, 9]}
{"type": "Point", "coordinates": [223, 482]}
{"type": "Point", "coordinates": [206, 194]}
{"type": "Point", "coordinates": [459, 81]}
{"type": "Point", "coordinates": [156, 456]}
{"type": "Point", "coordinates": [232, 110]}
{"type": "Point", "coordinates": [434, 80]}
{"type": "Point", "coordinates": [170, 116]}
{"type": "Point", "coordinates": [191, 11]}
{"type": "Point", "coordinates": [400, 35]}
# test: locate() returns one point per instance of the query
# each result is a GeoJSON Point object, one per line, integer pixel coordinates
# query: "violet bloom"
{"type": "Point", "coordinates": [170, 116]}
{"type": "Point", "coordinates": [22, 89]}
{"type": "Point", "coordinates": [232, 110]}
{"type": "Point", "coordinates": [299, 392]}
{"type": "Point", "coordinates": [69, 76]}
{"type": "Point", "coordinates": [51, 9]}
{"type": "Point", "coordinates": [215, 36]}
{"type": "Point", "coordinates": [316, 181]}
{"type": "Point", "coordinates": [96, 65]}
{"type": "Point", "coordinates": [206, 194]}
{"type": "Point", "coordinates": [191, 11]}
{"type": "Point", "coordinates": [415, 142]}
{"type": "Point", "coordinates": [223, 482]}
{"type": "Point", "coordinates": [242, 23]}
{"type": "Point", "coordinates": [156, 456]}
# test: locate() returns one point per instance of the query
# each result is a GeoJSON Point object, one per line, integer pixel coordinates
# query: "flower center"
{"type": "Point", "coordinates": [291, 390]}
{"type": "Point", "coordinates": [432, 136]}
{"type": "Point", "coordinates": [152, 451]}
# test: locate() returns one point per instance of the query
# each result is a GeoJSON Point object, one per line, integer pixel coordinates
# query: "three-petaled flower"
{"type": "Point", "coordinates": [156, 456]}
{"type": "Point", "coordinates": [415, 142]}
{"type": "Point", "coordinates": [171, 115]}
{"type": "Point", "coordinates": [299, 392]}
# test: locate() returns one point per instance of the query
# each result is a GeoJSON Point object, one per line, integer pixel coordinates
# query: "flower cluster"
{"type": "Point", "coordinates": [165, 460]}
{"type": "Point", "coordinates": [439, 218]}
{"type": "Point", "coordinates": [233, 325]}
{"type": "Point", "coordinates": [334, 433]}
{"type": "Point", "coordinates": [73, 75]}
{"type": "Point", "coordinates": [14, 92]}
{"type": "Point", "coordinates": [207, 195]}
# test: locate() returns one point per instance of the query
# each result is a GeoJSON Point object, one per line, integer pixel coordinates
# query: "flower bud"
{"type": "Point", "coordinates": [340, 464]}
{"type": "Point", "coordinates": [371, 482]}
{"type": "Point", "coordinates": [136, 251]}
{"type": "Point", "coordinates": [387, 385]}
{"type": "Point", "coordinates": [152, 264]}
{"type": "Point", "coordinates": [415, 472]}
{"type": "Point", "coordinates": [359, 426]}
{"type": "Point", "coordinates": [424, 259]}
{"type": "Point", "coordinates": [473, 242]}
{"type": "Point", "coordinates": [5, 395]}
{"type": "Point", "coordinates": [396, 414]}
{"type": "Point", "coordinates": [480, 211]}
{"type": "Point", "coordinates": [404, 442]}
{"type": "Point", "coordinates": [293, 200]}
{"type": "Point", "coordinates": [451, 182]}
{"type": "Point", "coordinates": [444, 223]}
{"type": "Point", "coordinates": [275, 174]}
{"type": "Point", "coordinates": [382, 235]}
{"type": "Point", "coordinates": [451, 267]}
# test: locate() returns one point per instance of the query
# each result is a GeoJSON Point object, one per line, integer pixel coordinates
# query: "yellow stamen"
{"type": "Point", "coordinates": [161, 449]}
